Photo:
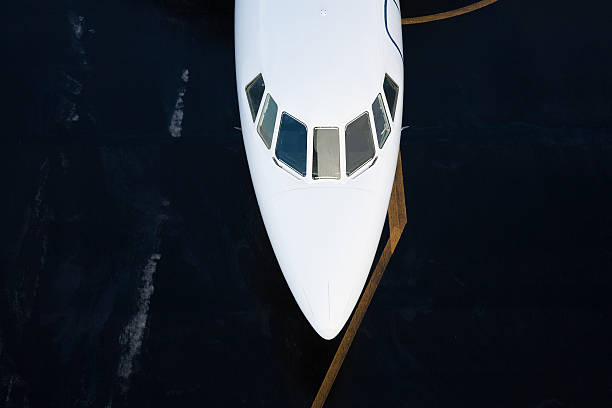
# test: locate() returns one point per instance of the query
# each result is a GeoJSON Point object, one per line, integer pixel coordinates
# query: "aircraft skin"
{"type": "Point", "coordinates": [323, 63]}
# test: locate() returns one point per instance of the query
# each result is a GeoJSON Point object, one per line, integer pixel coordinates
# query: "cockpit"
{"type": "Point", "coordinates": [288, 140]}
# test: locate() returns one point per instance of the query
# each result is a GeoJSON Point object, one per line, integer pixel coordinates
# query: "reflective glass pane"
{"type": "Point", "coordinates": [359, 143]}
{"type": "Point", "coordinates": [255, 91]}
{"type": "Point", "coordinates": [391, 92]}
{"type": "Point", "coordinates": [381, 122]}
{"type": "Point", "coordinates": [265, 128]}
{"type": "Point", "coordinates": [326, 153]}
{"type": "Point", "coordinates": [291, 143]}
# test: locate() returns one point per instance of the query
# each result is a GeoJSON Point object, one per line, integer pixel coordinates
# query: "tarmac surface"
{"type": "Point", "coordinates": [135, 269]}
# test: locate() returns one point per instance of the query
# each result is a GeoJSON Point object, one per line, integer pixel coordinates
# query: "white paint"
{"type": "Point", "coordinates": [77, 23]}
{"type": "Point", "coordinates": [325, 70]}
{"type": "Point", "coordinates": [72, 85]}
{"type": "Point", "coordinates": [9, 389]}
{"type": "Point", "coordinates": [185, 75]}
{"type": "Point", "coordinates": [131, 337]}
{"type": "Point", "coordinates": [38, 197]}
{"type": "Point", "coordinates": [176, 121]}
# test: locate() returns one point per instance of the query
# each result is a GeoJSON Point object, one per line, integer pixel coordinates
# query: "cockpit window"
{"type": "Point", "coordinates": [255, 91]}
{"type": "Point", "coordinates": [359, 143]}
{"type": "Point", "coordinates": [381, 121]}
{"type": "Point", "coordinates": [291, 143]}
{"type": "Point", "coordinates": [391, 92]}
{"type": "Point", "coordinates": [326, 153]}
{"type": "Point", "coordinates": [265, 128]}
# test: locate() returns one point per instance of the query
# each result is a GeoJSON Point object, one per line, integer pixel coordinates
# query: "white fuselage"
{"type": "Point", "coordinates": [323, 64]}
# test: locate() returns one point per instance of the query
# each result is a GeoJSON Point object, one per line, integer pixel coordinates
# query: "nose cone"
{"type": "Point", "coordinates": [325, 240]}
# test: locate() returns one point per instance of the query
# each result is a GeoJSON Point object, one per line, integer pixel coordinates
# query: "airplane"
{"type": "Point", "coordinates": [320, 94]}
{"type": "Point", "coordinates": [320, 91]}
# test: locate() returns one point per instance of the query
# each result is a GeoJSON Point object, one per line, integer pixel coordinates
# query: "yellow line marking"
{"type": "Point", "coordinates": [397, 221]}
{"type": "Point", "coordinates": [447, 14]}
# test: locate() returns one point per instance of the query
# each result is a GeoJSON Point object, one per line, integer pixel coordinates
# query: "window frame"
{"type": "Point", "coordinates": [263, 92]}
{"type": "Point", "coordinates": [262, 116]}
{"type": "Point", "coordinates": [339, 176]}
{"type": "Point", "coordinates": [373, 144]}
{"type": "Point", "coordinates": [380, 98]}
{"type": "Point", "coordinates": [395, 86]}
{"type": "Point", "coordinates": [277, 136]}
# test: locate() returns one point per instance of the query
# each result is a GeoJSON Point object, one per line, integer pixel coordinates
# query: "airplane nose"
{"type": "Point", "coordinates": [325, 240]}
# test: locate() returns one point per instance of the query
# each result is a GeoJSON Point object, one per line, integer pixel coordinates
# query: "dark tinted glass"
{"type": "Point", "coordinates": [265, 128]}
{"type": "Point", "coordinates": [291, 143]}
{"type": "Point", "coordinates": [359, 143]}
{"type": "Point", "coordinates": [381, 122]}
{"type": "Point", "coordinates": [391, 92]}
{"type": "Point", "coordinates": [255, 91]}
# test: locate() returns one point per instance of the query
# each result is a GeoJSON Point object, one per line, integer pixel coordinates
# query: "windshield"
{"type": "Point", "coordinates": [291, 143]}
{"type": "Point", "coordinates": [255, 91]}
{"type": "Point", "coordinates": [265, 128]}
{"type": "Point", "coordinates": [391, 92]}
{"type": "Point", "coordinates": [326, 153]}
{"type": "Point", "coordinates": [359, 143]}
{"type": "Point", "coordinates": [381, 122]}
